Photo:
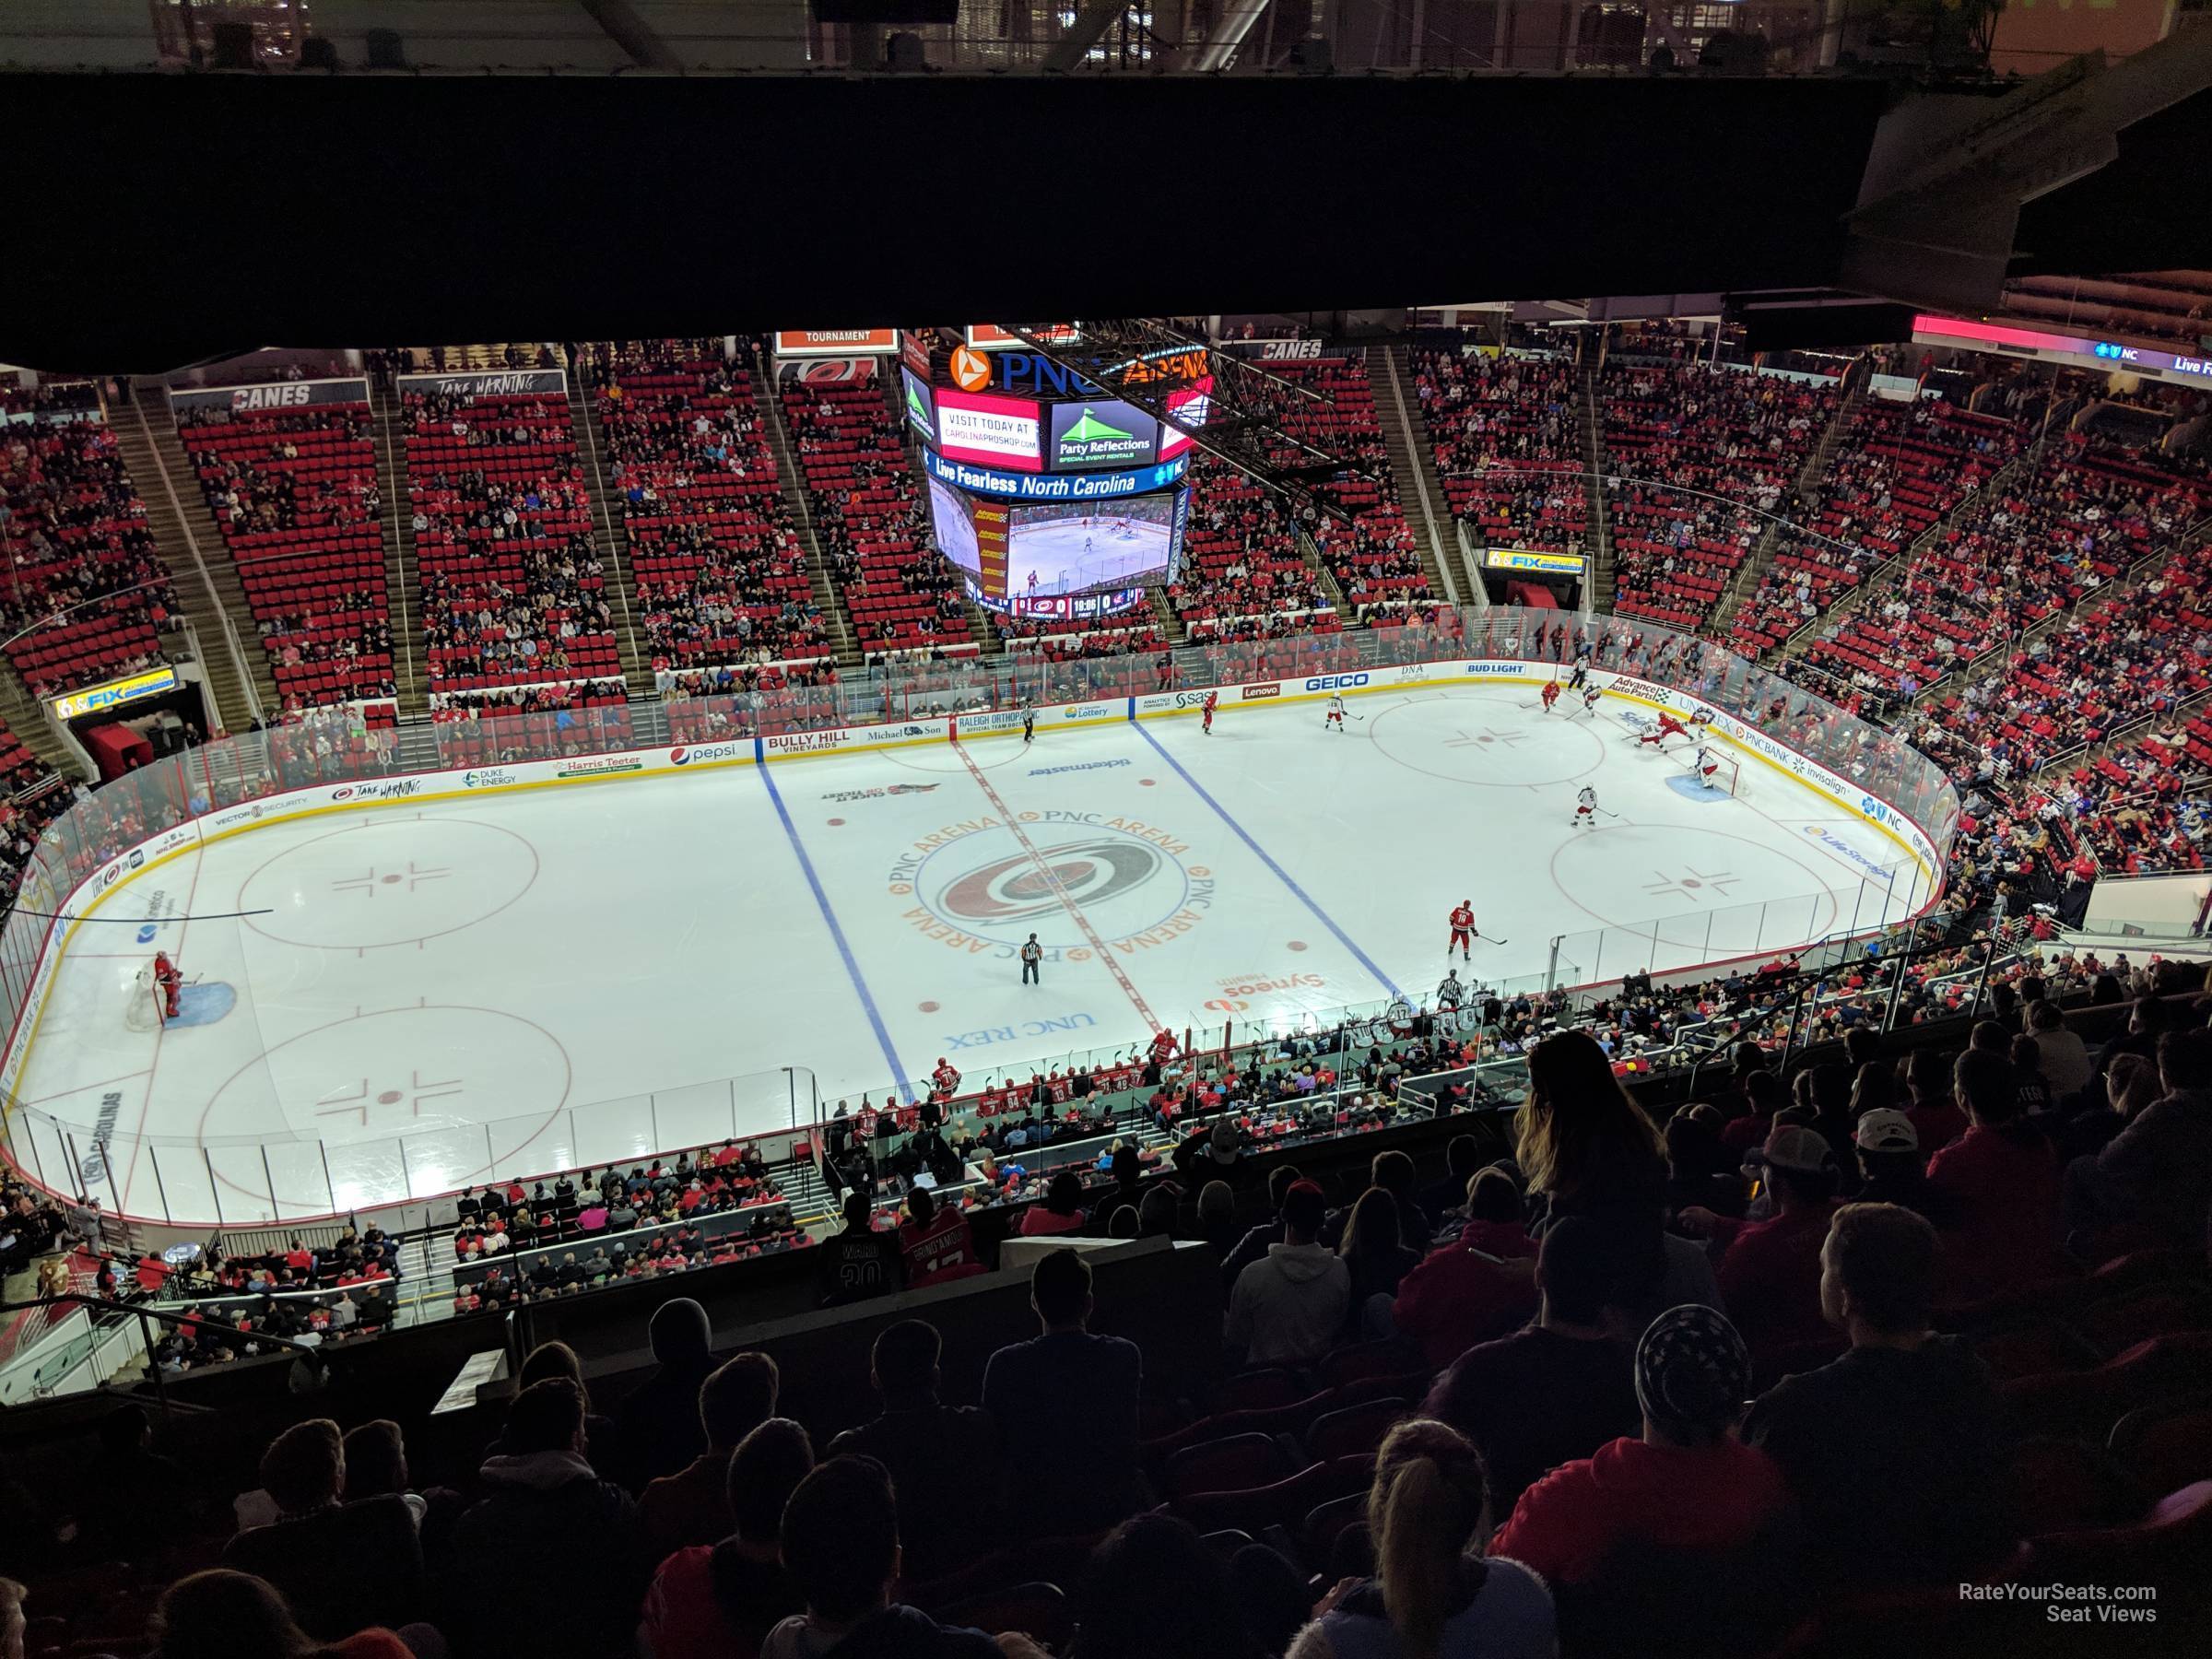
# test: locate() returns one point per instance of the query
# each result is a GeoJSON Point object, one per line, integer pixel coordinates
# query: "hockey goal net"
{"type": "Point", "coordinates": [1727, 776]}
{"type": "Point", "coordinates": [142, 1011]}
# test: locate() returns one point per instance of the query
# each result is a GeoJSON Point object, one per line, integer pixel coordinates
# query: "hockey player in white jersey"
{"type": "Point", "coordinates": [1585, 809]}
{"type": "Point", "coordinates": [1335, 722]}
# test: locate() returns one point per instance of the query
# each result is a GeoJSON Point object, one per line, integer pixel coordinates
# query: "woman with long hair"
{"type": "Point", "coordinates": [1373, 1255]}
{"type": "Point", "coordinates": [1433, 1596]}
{"type": "Point", "coordinates": [1583, 1143]}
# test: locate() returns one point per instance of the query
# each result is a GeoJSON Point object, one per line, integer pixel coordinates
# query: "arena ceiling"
{"type": "Point", "coordinates": [172, 218]}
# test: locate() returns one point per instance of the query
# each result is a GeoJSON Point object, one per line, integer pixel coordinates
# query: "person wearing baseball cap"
{"type": "Point", "coordinates": [1289, 1307]}
{"type": "Point", "coordinates": [1686, 1484]}
{"type": "Point", "coordinates": [1770, 1274]}
{"type": "Point", "coordinates": [1894, 1452]}
{"type": "Point", "coordinates": [1889, 1153]}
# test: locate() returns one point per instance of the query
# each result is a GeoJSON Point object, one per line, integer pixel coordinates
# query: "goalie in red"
{"type": "Point", "coordinates": [1463, 931]}
{"type": "Point", "coordinates": [169, 985]}
{"type": "Point", "coordinates": [1668, 727]}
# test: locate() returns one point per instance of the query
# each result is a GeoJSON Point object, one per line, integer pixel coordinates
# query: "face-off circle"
{"type": "Point", "coordinates": [1703, 887]}
{"type": "Point", "coordinates": [1459, 739]}
{"type": "Point", "coordinates": [402, 1071]}
{"type": "Point", "coordinates": [398, 881]}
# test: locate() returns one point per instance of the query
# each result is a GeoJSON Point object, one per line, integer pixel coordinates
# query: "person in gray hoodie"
{"type": "Point", "coordinates": [548, 1534]}
{"type": "Point", "coordinates": [1289, 1307]}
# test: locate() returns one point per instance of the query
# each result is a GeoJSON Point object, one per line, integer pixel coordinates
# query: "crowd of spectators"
{"type": "Point", "coordinates": [1507, 437]}
{"type": "Point", "coordinates": [294, 492]}
{"type": "Point", "coordinates": [719, 567]}
{"type": "Point", "coordinates": [1696, 456]}
{"type": "Point", "coordinates": [514, 589]}
{"type": "Point", "coordinates": [1747, 1375]}
{"type": "Point", "coordinates": [1243, 574]}
{"type": "Point", "coordinates": [86, 595]}
{"type": "Point", "coordinates": [1897, 468]}
{"type": "Point", "coordinates": [870, 521]}
{"type": "Point", "coordinates": [2082, 513]}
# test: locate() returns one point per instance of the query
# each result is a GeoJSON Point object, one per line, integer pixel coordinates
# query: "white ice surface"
{"type": "Point", "coordinates": [524, 982]}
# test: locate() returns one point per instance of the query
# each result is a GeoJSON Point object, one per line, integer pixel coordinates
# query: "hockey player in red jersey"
{"type": "Point", "coordinates": [946, 1079]}
{"type": "Point", "coordinates": [1205, 711]}
{"type": "Point", "coordinates": [168, 984]}
{"type": "Point", "coordinates": [1668, 727]}
{"type": "Point", "coordinates": [1551, 694]}
{"type": "Point", "coordinates": [1463, 930]}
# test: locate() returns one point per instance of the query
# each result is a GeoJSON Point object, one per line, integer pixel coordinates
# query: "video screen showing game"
{"type": "Point", "coordinates": [949, 516]}
{"type": "Point", "coordinates": [1073, 546]}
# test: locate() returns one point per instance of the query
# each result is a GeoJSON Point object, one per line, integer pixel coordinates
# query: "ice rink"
{"type": "Point", "coordinates": [1064, 564]}
{"type": "Point", "coordinates": [429, 993]}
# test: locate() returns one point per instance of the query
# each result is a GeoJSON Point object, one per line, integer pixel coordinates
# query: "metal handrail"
{"type": "Point", "coordinates": [145, 1317]}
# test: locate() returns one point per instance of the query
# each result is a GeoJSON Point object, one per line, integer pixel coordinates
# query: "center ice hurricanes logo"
{"type": "Point", "coordinates": [983, 884]}
{"type": "Point", "coordinates": [1015, 889]}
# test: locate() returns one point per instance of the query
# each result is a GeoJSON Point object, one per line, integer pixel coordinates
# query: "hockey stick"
{"type": "Point", "coordinates": [1493, 939]}
{"type": "Point", "coordinates": [1614, 816]}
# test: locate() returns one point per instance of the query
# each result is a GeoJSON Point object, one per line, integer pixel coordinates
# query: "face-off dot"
{"type": "Point", "coordinates": [389, 1098]}
{"type": "Point", "coordinates": [1148, 782]}
{"type": "Point", "coordinates": [834, 822]}
{"type": "Point", "coordinates": [1296, 944]}
{"type": "Point", "coordinates": [929, 1007]}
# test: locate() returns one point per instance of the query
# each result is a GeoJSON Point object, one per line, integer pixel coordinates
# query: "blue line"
{"type": "Point", "coordinates": [1281, 875]}
{"type": "Point", "coordinates": [837, 933]}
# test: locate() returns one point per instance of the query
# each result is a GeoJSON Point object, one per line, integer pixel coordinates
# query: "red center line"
{"type": "Point", "coordinates": [1136, 999]}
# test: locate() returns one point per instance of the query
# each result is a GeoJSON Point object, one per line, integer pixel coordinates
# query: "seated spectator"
{"type": "Point", "coordinates": [1463, 1161]}
{"type": "Point", "coordinates": [1889, 1153]}
{"type": "Point", "coordinates": [1556, 1391]}
{"type": "Point", "coordinates": [548, 1534]}
{"type": "Point", "coordinates": [131, 1495]}
{"type": "Point", "coordinates": [936, 1243]}
{"type": "Point", "coordinates": [1893, 1451]}
{"type": "Point", "coordinates": [2151, 1185]}
{"type": "Point", "coordinates": [859, 1262]}
{"type": "Point", "coordinates": [692, 1505]}
{"type": "Point", "coordinates": [1687, 1482]}
{"type": "Point", "coordinates": [1218, 1223]}
{"type": "Point", "coordinates": [1066, 1406]}
{"type": "Point", "coordinates": [720, 1602]}
{"type": "Point", "coordinates": [2066, 1069]}
{"type": "Point", "coordinates": [657, 1429]}
{"type": "Point", "coordinates": [342, 1567]}
{"type": "Point", "coordinates": [1256, 1240]}
{"type": "Point", "coordinates": [1999, 1186]}
{"type": "Point", "coordinates": [939, 1455]}
{"type": "Point", "coordinates": [1935, 1114]}
{"type": "Point", "coordinates": [1433, 1596]}
{"type": "Point", "coordinates": [1375, 1261]}
{"type": "Point", "coordinates": [1288, 1308]}
{"type": "Point", "coordinates": [376, 1466]}
{"type": "Point", "coordinates": [1770, 1273]}
{"type": "Point", "coordinates": [841, 1547]}
{"type": "Point", "coordinates": [1471, 1290]}
{"type": "Point", "coordinates": [226, 1615]}
{"type": "Point", "coordinates": [1393, 1173]}
{"type": "Point", "coordinates": [1062, 1211]}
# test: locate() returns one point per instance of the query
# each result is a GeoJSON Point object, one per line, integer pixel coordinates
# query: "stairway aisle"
{"type": "Point", "coordinates": [613, 544]}
{"type": "Point", "coordinates": [793, 485]}
{"type": "Point", "coordinates": [198, 560]}
{"type": "Point", "coordinates": [1413, 460]}
{"type": "Point", "coordinates": [26, 717]}
{"type": "Point", "coordinates": [1600, 547]}
{"type": "Point", "coordinates": [400, 588]}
